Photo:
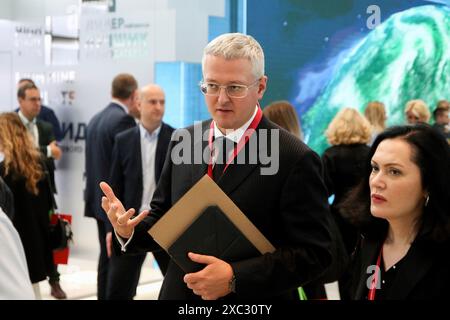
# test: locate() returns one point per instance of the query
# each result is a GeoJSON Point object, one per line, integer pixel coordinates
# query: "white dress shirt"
{"type": "Point", "coordinates": [233, 135]}
{"type": "Point", "coordinates": [32, 128]}
{"type": "Point", "coordinates": [149, 141]}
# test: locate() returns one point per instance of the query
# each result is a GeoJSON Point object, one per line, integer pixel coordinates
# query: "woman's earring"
{"type": "Point", "coordinates": [426, 200]}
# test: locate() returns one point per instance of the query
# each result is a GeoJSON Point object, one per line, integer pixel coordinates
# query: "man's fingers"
{"type": "Point", "coordinates": [105, 204]}
{"type": "Point", "coordinates": [127, 215]}
{"type": "Point", "coordinates": [139, 218]}
{"type": "Point", "coordinates": [126, 218]}
{"type": "Point", "coordinates": [193, 278]}
{"type": "Point", "coordinates": [190, 285]}
{"type": "Point", "coordinates": [112, 213]}
{"type": "Point", "coordinates": [200, 258]}
{"type": "Point", "coordinates": [108, 191]}
{"type": "Point", "coordinates": [109, 244]}
{"type": "Point", "coordinates": [199, 293]}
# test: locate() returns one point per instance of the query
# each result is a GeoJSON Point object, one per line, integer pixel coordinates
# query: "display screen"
{"type": "Point", "coordinates": [325, 55]}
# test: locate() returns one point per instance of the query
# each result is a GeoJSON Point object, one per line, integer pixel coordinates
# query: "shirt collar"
{"type": "Point", "coordinates": [146, 134]}
{"type": "Point", "coordinates": [24, 119]}
{"type": "Point", "coordinates": [124, 107]}
{"type": "Point", "coordinates": [237, 134]}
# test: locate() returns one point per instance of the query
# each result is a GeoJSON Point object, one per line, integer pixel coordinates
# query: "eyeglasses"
{"type": "Point", "coordinates": [232, 90]}
{"type": "Point", "coordinates": [34, 99]}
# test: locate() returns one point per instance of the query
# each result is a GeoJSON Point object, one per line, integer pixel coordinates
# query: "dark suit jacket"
{"type": "Point", "coordinates": [126, 172]}
{"type": "Point", "coordinates": [100, 134]}
{"type": "Point", "coordinates": [46, 136]}
{"type": "Point", "coordinates": [290, 208]}
{"type": "Point", "coordinates": [126, 169]}
{"type": "Point", "coordinates": [426, 271]}
{"type": "Point", "coordinates": [48, 115]}
{"type": "Point", "coordinates": [343, 168]}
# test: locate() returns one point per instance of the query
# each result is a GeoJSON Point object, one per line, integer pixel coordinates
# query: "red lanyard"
{"type": "Point", "coordinates": [245, 137]}
{"type": "Point", "coordinates": [376, 277]}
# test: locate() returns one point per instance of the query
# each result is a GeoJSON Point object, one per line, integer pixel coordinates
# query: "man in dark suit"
{"type": "Point", "coordinates": [29, 99]}
{"type": "Point", "coordinates": [100, 134]}
{"type": "Point", "coordinates": [137, 161]}
{"type": "Point", "coordinates": [441, 118]}
{"type": "Point", "coordinates": [46, 114]}
{"type": "Point", "coordinates": [276, 181]}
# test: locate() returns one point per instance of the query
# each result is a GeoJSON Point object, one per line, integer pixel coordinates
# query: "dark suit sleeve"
{"type": "Point", "coordinates": [125, 123]}
{"type": "Point", "coordinates": [305, 218]}
{"type": "Point", "coordinates": [49, 134]}
{"type": "Point", "coordinates": [116, 172]}
{"type": "Point", "coordinates": [46, 136]}
{"type": "Point", "coordinates": [49, 116]}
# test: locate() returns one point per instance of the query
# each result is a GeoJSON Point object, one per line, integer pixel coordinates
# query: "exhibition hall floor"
{"type": "Point", "coordinates": [79, 280]}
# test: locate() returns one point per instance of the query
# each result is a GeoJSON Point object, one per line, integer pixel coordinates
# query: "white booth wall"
{"type": "Point", "coordinates": [74, 71]}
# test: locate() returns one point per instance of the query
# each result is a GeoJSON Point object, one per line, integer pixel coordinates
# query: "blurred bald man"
{"type": "Point", "coordinates": [138, 158]}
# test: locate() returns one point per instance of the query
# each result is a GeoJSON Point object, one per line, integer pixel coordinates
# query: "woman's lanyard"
{"type": "Point", "coordinates": [376, 277]}
{"type": "Point", "coordinates": [244, 139]}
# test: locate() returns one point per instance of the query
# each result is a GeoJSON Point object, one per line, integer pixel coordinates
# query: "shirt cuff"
{"type": "Point", "coordinates": [123, 245]}
{"type": "Point", "coordinates": [49, 152]}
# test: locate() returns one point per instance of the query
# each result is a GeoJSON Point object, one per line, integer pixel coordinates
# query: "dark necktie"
{"type": "Point", "coordinates": [224, 149]}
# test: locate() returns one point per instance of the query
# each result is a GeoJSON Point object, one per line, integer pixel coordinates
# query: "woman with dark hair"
{"type": "Point", "coordinates": [403, 212]}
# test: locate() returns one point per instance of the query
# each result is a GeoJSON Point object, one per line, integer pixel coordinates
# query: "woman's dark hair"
{"type": "Point", "coordinates": [431, 153]}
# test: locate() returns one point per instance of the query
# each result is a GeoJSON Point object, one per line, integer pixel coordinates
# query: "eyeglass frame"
{"type": "Point", "coordinates": [202, 83]}
{"type": "Point", "coordinates": [33, 99]}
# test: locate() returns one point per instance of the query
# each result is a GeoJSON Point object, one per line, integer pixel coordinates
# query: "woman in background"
{"type": "Point", "coordinates": [375, 113]}
{"type": "Point", "coordinates": [343, 163]}
{"type": "Point", "coordinates": [417, 111]}
{"type": "Point", "coordinates": [283, 114]}
{"type": "Point", "coordinates": [22, 171]}
{"type": "Point", "coordinates": [403, 212]}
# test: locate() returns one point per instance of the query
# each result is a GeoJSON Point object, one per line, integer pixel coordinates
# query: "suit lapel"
{"type": "Point", "coordinates": [238, 172]}
{"type": "Point", "coordinates": [137, 155]}
{"type": "Point", "coordinates": [158, 154]}
{"type": "Point", "coordinates": [161, 149]}
{"type": "Point", "coordinates": [200, 145]}
{"type": "Point", "coordinates": [40, 133]}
